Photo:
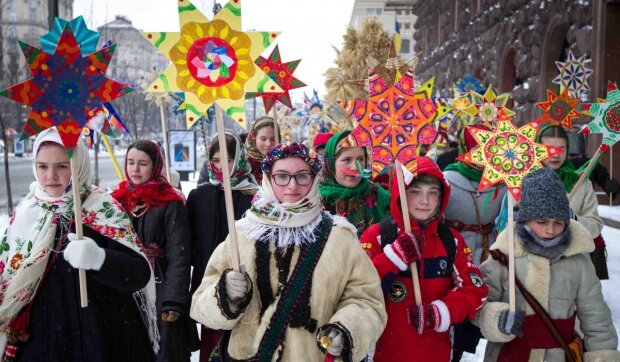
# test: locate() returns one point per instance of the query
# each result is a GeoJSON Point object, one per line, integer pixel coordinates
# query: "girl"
{"type": "Point", "coordinates": [344, 191]}
{"type": "Point", "coordinates": [307, 278]}
{"type": "Point", "coordinates": [40, 310]}
{"type": "Point", "coordinates": [206, 208]}
{"type": "Point", "coordinates": [551, 261]}
{"type": "Point", "coordinates": [159, 218]}
{"type": "Point", "coordinates": [260, 141]}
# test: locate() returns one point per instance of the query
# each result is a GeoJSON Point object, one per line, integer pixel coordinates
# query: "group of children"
{"type": "Point", "coordinates": [326, 261]}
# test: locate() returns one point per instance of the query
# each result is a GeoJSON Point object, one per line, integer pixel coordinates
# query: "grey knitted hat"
{"type": "Point", "coordinates": [542, 195]}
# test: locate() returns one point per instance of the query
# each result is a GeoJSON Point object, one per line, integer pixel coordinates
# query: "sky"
{"type": "Point", "coordinates": [309, 28]}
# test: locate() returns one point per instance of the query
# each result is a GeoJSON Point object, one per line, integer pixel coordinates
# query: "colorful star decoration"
{"type": "Point", "coordinates": [67, 89]}
{"type": "Point", "coordinates": [606, 117]}
{"type": "Point", "coordinates": [212, 61]}
{"type": "Point", "coordinates": [507, 154]}
{"type": "Point", "coordinates": [488, 108]}
{"type": "Point", "coordinates": [573, 75]}
{"type": "Point", "coordinates": [394, 120]}
{"type": "Point", "coordinates": [559, 110]}
{"type": "Point", "coordinates": [282, 74]}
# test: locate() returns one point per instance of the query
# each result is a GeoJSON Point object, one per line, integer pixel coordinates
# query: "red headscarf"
{"type": "Point", "coordinates": [154, 192]}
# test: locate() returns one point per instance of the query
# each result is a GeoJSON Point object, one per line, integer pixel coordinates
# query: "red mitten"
{"type": "Point", "coordinates": [423, 317]}
{"type": "Point", "coordinates": [407, 248]}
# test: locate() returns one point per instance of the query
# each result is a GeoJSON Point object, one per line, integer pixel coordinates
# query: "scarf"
{"type": "Point", "coordinates": [568, 175]}
{"type": "Point", "coordinates": [550, 249]}
{"type": "Point", "coordinates": [255, 157]}
{"type": "Point", "coordinates": [364, 205]}
{"type": "Point", "coordinates": [287, 223]}
{"type": "Point", "coordinates": [241, 177]}
{"type": "Point", "coordinates": [464, 169]}
{"type": "Point", "coordinates": [28, 241]}
{"type": "Point", "coordinates": [154, 192]}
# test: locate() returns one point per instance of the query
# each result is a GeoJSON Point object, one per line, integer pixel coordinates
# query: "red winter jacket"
{"type": "Point", "coordinates": [458, 288]}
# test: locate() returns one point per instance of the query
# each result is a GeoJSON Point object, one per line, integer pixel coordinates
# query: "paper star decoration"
{"type": "Point", "coordinates": [573, 74]}
{"type": "Point", "coordinates": [606, 117]}
{"type": "Point", "coordinates": [559, 110]}
{"type": "Point", "coordinates": [488, 108]}
{"type": "Point", "coordinates": [66, 89]}
{"type": "Point", "coordinates": [212, 61]}
{"type": "Point", "coordinates": [507, 154]}
{"type": "Point", "coordinates": [394, 120]}
{"type": "Point", "coordinates": [282, 74]}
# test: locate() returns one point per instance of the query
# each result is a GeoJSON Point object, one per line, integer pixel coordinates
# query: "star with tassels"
{"type": "Point", "coordinates": [507, 154]}
{"type": "Point", "coordinates": [606, 117]}
{"type": "Point", "coordinates": [488, 108]}
{"type": "Point", "coordinates": [212, 61]}
{"type": "Point", "coordinates": [67, 89]}
{"type": "Point", "coordinates": [282, 74]}
{"type": "Point", "coordinates": [394, 120]}
{"type": "Point", "coordinates": [573, 74]}
{"type": "Point", "coordinates": [559, 110]}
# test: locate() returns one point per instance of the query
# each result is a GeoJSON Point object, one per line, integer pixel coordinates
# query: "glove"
{"type": "Point", "coordinates": [170, 316]}
{"type": "Point", "coordinates": [423, 317]}
{"type": "Point", "coordinates": [335, 344]}
{"type": "Point", "coordinates": [84, 254]}
{"type": "Point", "coordinates": [406, 247]}
{"type": "Point", "coordinates": [510, 322]}
{"type": "Point", "coordinates": [236, 286]}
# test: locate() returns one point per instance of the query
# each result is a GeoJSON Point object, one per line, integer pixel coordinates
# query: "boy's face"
{"type": "Point", "coordinates": [423, 200]}
{"type": "Point", "coordinates": [547, 228]}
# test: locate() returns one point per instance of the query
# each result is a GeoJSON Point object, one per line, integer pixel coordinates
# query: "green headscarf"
{"type": "Point", "coordinates": [363, 205]}
{"type": "Point", "coordinates": [566, 172]}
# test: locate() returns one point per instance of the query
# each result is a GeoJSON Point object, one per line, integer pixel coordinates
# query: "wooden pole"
{"type": "Point", "coordinates": [275, 124]}
{"type": "Point", "coordinates": [77, 211]}
{"type": "Point", "coordinates": [118, 169]}
{"type": "Point", "coordinates": [405, 210]}
{"type": "Point", "coordinates": [584, 176]}
{"type": "Point", "coordinates": [230, 216]}
{"type": "Point", "coordinates": [511, 255]}
{"type": "Point", "coordinates": [164, 127]}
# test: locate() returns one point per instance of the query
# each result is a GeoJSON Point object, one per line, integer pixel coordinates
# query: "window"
{"type": "Point", "coordinates": [407, 12]}
{"type": "Point", "coordinates": [399, 12]}
{"type": "Point", "coordinates": [405, 46]}
{"type": "Point", "coordinates": [374, 11]}
{"type": "Point", "coordinates": [12, 16]}
{"type": "Point", "coordinates": [406, 25]}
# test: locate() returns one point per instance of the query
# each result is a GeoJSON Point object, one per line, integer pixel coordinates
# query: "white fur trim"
{"type": "Point", "coordinates": [342, 222]}
{"type": "Point", "coordinates": [389, 252]}
{"type": "Point", "coordinates": [489, 322]}
{"type": "Point", "coordinates": [602, 356]}
{"type": "Point", "coordinates": [444, 314]}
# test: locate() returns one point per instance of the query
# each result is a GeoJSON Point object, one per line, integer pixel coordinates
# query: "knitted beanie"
{"type": "Point", "coordinates": [543, 196]}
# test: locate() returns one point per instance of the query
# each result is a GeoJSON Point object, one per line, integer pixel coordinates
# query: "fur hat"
{"type": "Point", "coordinates": [542, 196]}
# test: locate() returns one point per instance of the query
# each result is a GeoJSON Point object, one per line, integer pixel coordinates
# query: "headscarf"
{"type": "Point", "coordinates": [255, 157]}
{"type": "Point", "coordinates": [154, 192]}
{"type": "Point", "coordinates": [566, 171]}
{"type": "Point", "coordinates": [29, 239]}
{"type": "Point", "coordinates": [363, 205]}
{"type": "Point", "coordinates": [288, 223]}
{"type": "Point", "coordinates": [241, 174]}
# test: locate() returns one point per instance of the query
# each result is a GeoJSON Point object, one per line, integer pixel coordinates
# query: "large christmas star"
{"type": "Point", "coordinates": [394, 120]}
{"type": "Point", "coordinates": [606, 117]}
{"type": "Point", "coordinates": [488, 108]}
{"type": "Point", "coordinates": [212, 61]}
{"type": "Point", "coordinates": [282, 74]}
{"type": "Point", "coordinates": [559, 110]}
{"type": "Point", "coordinates": [573, 74]}
{"type": "Point", "coordinates": [67, 89]}
{"type": "Point", "coordinates": [507, 154]}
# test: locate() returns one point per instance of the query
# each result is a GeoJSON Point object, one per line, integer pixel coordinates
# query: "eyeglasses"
{"type": "Point", "coordinates": [283, 179]}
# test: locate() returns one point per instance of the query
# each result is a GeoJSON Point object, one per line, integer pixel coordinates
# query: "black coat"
{"type": "Point", "coordinates": [206, 208]}
{"type": "Point", "coordinates": [109, 329]}
{"type": "Point", "coordinates": [166, 227]}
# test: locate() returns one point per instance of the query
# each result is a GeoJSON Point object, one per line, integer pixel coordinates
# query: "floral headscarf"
{"type": "Point", "coordinates": [241, 175]}
{"type": "Point", "coordinates": [255, 157]}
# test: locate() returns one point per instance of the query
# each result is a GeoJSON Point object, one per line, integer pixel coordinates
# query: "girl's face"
{"type": "Point", "coordinates": [297, 173]}
{"type": "Point", "coordinates": [558, 159]}
{"type": "Point", "coordinates": [139, 166]}
{"type": "Point", "coordinates": [547, 228]}
{"type": "Point", "coordinates": [422, 200]}
{"type": "Point", "coordinates": [217, 162]}
{"type": "Point", "coordinates": [53, 169]}
{"type": "Point", "coordinates": [265, 139]}
{"type": "Point", "coordinates": [346, 160]}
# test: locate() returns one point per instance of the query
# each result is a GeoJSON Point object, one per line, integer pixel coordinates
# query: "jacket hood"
{"type": "Point", "coordinates": [425, 166]}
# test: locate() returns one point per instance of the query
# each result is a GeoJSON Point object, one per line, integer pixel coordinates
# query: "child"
{"type": "Point", "coordinates": [451, 285]}
{"type": "Point", "coordinates": [551, 261]}
{"type": "Point", "coordinates": [260, 140]}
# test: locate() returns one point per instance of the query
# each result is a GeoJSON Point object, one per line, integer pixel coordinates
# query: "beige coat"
{"type": "Point", "coordinates": [561, 286]}
{"type": "Point", "coordinates": [345, 289]}
{"type": "Point", "coordinates": [585, 205]}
